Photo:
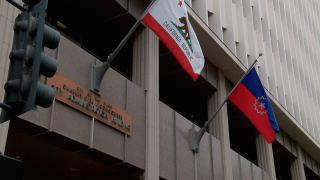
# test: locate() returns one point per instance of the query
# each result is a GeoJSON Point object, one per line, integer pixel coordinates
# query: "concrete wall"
{"type": "Point", "coordinates": [286, 32]}
{"type": "Point", "coordinates": [72, 129]}
{"type": "Point", "coordinates": [62, 121]}
{"type": "Point", "coordinates": [176, 157]}
{"type": "Point", "coordinates": [243, 169]}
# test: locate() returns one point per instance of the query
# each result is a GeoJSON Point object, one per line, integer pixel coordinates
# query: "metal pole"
{"type": "Point", "coordinates": [196, 136]}
{"type": "Point", "coordinates": [96, 74]}
{"type": "Point", "coordinates": [17, 5]}
{"type": "Point", "coordinates": [5, 107]}
{"type": "Point", "coordinates": [195, 166]}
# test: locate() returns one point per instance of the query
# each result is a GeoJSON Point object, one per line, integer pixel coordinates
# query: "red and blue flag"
{"type": "Point", "coordinates": [249, 96]}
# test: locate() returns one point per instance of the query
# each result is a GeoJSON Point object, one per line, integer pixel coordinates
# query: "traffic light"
{"type": "Point", "coordinates": [23, 91]}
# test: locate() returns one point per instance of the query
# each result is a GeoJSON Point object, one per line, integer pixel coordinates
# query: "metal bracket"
{"type": "Point", "coordinates": [96, 75]}
{"type": "Point", "coordinates": [196, 137]}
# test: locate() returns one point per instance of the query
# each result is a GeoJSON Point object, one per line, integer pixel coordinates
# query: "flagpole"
{"type": "Point", "coordinates": [197, 135]}
{"type": "Point", "coordinates": [96, 74]}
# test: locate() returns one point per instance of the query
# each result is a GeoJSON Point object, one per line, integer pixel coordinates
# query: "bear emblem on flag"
{"type": "Point", "coordinates": [183, 20]}
{"type": "Point", "coordinates": [260, 108]}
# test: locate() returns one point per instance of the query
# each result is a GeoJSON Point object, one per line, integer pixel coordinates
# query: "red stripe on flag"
{"type": "Point", "coordinates": [173, 47]}
{"type": "Point", "coordinates": [245, 100]}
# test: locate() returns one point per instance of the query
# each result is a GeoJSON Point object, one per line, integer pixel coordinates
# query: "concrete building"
{"type": "Point", "coordinates": [148, 104]}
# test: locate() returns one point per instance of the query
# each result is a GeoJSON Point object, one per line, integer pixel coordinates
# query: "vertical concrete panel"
{"type": "Point", "coordinates": [235, 23]}
{"type": "Point", "coordinates": [108, 140]}
{"type": "Point", "coordinates": [315, 38]}
{"type": "Point", "coordinates": [223, 14]}
{"type": "Point", "coordinates": [4, 127]}
{"type": "Point", "coordinates": [295, 58]}
{"type": "Point", "coordinates": [296, 166]}
{"type": "Point", "coordinates": [309, 66]}
{"type": "Point", "coordinates": [314, 165]}
{"type": "Point", "coordinates": [200, 7]}
{"type": "Point", "coordinates": [71, 123]}
{"type": "Point", "coordinates": [4, 55]}
{"type": "Point", "coordinates": [235, 166]}
{"type": "Point", "coordinates": [4, 9]}
{"type": "Point", "coordinates": [252, 40]}
{"type": "Point", "coordinates": [245, 169]}
{"type": "Point", "coordinates": [212, 75]}
{"type": "Point", "coordinates": [229, 33]}
{"type": "Point", "coordinates": [265, 176]}
{"type": "Point", "coordinates": [299, 62]}
{"type": "Point", "coordinates": [308, 160]}
{"type": "Point", "coordinates": [279, 137]}
{"type": "Point", "coordinates": [215, 19]}
{"type": "Point", "coordinates": [167, 142]}
{"type": "Point", "coordinates": [2, 27]}
{"type": "Point", "coordinates": [257, 172]}
{"type": "Point", "coordinates": [286, 140]}
{"type": "Point", "coordinates": [265, 156]}
{"type": "Point", "coordinates": [294, 148]}
{"type": "Point", "coordinates": [262, 68]}
{"type": "Point", "coordinates": [242, 37]}
{"type": "Point", "coordinates": [135, 144]}
{"type": "Point", "coordinates": [204, 158]}
{"type": "Point", "coordinates": [185, 162]}
{"type": "Point", "coordinates": [210, 6]}
{"type": "Point", "coordinates": [8, 31]}
{"type": "Point", "coordinates": [217, 159]}
{"type": "Point", "coordinates": [265, 24]}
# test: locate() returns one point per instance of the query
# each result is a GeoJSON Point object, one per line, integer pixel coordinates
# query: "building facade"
{"type": "Point", "coordinates": [139, 126]}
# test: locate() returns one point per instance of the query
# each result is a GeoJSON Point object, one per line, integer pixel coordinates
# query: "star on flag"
{"type": "Point", "coordinates": [180, 3]}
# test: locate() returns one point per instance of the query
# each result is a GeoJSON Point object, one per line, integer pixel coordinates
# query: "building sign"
{"type": "Point", "coordinates": [89, 103]}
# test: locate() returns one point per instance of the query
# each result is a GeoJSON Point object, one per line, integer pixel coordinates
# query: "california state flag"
{"type": "Point", "coordinates": [168, 19]}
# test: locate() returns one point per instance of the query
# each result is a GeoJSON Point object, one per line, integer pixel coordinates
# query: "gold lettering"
{"type": "Point", "coordinates": [61, 91]}
{"type": "Point", "coordinates": [85, 104]}
{"type": "Point", "coordinates": [81, 102]}
{"type": "Point", "coordinates": [98, 111]}
{"type": "Point", "coordinates": [69, 96]}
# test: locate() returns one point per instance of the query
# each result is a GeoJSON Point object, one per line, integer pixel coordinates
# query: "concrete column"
{"type": "Point", "coordinates": [265, 156]}
{"type": "Point", "coordinates": [146, 75]}
{"type": "Point", "coordinates": [296, 166]}
{"type": "Point", "coordinates": [219, 127]}
{"type": "Point", "coordinates": [7, 17]}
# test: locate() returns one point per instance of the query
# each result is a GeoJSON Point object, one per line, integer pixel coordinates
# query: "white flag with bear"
{"type": "Point", "coordinates": [168, 19]}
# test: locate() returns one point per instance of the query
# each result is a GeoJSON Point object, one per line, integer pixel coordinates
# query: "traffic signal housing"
{"type": "Point", "coordinates": [23, 91]}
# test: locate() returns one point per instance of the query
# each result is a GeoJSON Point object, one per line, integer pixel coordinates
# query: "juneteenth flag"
{"type": "Point", "coordinates": [249, 96]}
{"type": "Point", "coordinates": [168, 19]}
